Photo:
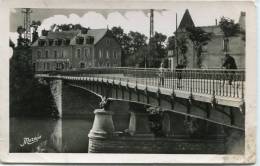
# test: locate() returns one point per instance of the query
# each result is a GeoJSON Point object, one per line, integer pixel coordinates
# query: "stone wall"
{"type": "Point", "coordinates": [127, 144]}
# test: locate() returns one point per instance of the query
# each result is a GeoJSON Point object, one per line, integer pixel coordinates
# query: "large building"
{"type": "Point", "coordinates": [212, 53]}
{"type": "Point", "coordinates": [77, 49]}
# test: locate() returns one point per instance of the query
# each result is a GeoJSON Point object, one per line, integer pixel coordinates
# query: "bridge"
{"type": "Point", "coordinates": [214, 95]}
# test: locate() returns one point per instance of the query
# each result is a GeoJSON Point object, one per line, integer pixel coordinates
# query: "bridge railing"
{"type": "Point", "coordinates": [218, 82]}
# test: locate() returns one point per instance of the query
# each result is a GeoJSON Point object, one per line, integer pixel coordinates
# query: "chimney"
{"type": "Point", "coordinates": [45, 32]}
{"type": "Point", "coordinates": [84, 30]}
{"type": "Point", "coordinates": [242, 21]}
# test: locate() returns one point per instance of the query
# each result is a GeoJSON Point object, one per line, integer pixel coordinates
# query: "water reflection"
{"type": "Point", "coordinates": [70, 135]}
{"type": "Point", "coordinates": [62, 135]}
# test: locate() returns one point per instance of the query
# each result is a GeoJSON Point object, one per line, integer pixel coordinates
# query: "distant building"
{"type": "Point", "coordinates": [70, 50]}
{"type": "Point", "coordinates": [213, 52]}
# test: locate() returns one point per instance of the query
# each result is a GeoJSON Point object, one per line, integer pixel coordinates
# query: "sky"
{"type": "Point", "coordinates": [129, 20]}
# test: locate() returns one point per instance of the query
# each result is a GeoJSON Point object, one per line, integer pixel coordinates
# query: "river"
{"type": "Point", "coordinates": [52, 135]}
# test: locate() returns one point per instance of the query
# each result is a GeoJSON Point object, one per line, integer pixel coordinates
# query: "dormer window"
{"type": "Point", "coordinates": [50, 42]}
{"type": "Point", "coordinates": [79, 40]}
{"type": "Point", "coordinates": [66, 41]}
{"type": "Point", "coordinates": [41, 42]}
{"type": "Point", "coordinates": [89, 40]}
{"type": "Point", "coordinates": [58, 42]}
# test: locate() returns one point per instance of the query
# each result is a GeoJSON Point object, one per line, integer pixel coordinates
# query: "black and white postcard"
{"type": "Point", "coordinates": [128, 82]}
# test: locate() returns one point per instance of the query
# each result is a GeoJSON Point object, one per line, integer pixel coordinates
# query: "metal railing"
{"type": "Point", "coordinates": [217, 82]}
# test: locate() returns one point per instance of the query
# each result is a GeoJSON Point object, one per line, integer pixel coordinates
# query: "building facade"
{"type": "Point", "coordinates": [212, 53]}
{"type": "Point", "coordinates": [71, 50]}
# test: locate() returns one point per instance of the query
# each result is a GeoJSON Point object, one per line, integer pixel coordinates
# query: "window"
{"type": "Point", "coordinates": [55, 54]}
{"type": "Point", "coordinates": [115, 54]}
{"type": "Point", "coordinates": [47, 54]}
{"type": "Point", "coordinates": [108, 41]}
{"type": "Point", "coordinates": [107, 54]}
{"type": "Point", "coordinates": [39, 54]}
{"type": "Point", "coordinates": [86, 52]}
{"type": "Point", "coordinates": [82, 65]}
{"type": "Point", "coordinates": [204, 48]}
{"type": "Point", "coordinates": [226, 44]}
{"type": "Point", "coordinates": [78, 53]}
{"type": "Point", "coordinates": [48, 66]}
{"type": "Point", "coordinates": [62, 54]}
{"type": "Point", "coordinates": [100, 53]}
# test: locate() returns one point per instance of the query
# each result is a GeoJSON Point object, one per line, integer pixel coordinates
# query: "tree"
{"type": "Point", "coordinates": [157, 49]}
{"type": "Point", "coordinates": [199, 38]}
{"type": "Point", "coordinates": [140, 56]}
{"type": "Point", "coordinates": [20, 41]}
{"type": "Point", "coordinates": [67, 27]}
{"type": "Point", "coordinates": [229, 28]}
{"type": "Point", "coordinates": [171, 43]}
{"type": "Point", "coordinates": [35, 25]}
{"type": "Point", "coordinates": [124, 41]}
{"type": "Point", "coordinates": [11, 44]}
{"type": "Point", "coordinates": [182, 46]}
{"type": "Point", "coordinates": [136, 41]}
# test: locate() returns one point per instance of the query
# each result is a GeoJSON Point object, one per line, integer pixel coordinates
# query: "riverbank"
{"type": "Point", "coordinates": [27, 96]}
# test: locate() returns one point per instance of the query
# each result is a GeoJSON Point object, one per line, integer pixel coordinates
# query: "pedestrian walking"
{"type": "Point", "coordinates": [179, 68]}
{"type": "Point", "coordinates": [161, 74]}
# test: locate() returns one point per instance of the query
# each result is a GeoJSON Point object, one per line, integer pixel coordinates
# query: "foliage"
{"type": "Point", "coordinates": [11, 44]}
{"type": "Point", "coordinates": [68, 27]}
{"type": "Point", "coordinates": [199, 38]}
{"type": "Point", "coordinates": [182, 46]}
{"type": "Point", "coordinates": [155, 119]}
{"type": "Point", "coordinates": [132, 45]}
{"type": "Point", "coordinates": [35, 25]}
{"type": "Point", "coordinates": [137, 41]}
{"type": "Point", "coordinates": [229, 27]}
{"type": "Point", "coordinates": [21, 41]}
{"type": "Point", "coordinates": [27, 96]}
{"type": "Point", "coordinates": [138, 59]}
{"type": "Point", "coordinates": [157, 49]}
{"type": "Point", "coordinates": [20, 30]}
{"type": "Point", "coordinates": [123, 40]}
{"type": "Point", "coordinates": [171, 43]}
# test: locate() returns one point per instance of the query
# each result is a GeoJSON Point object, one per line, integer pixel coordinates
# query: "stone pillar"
{"type": "Point", "coordinates": [102, 130]}
{"type": "Point", "coordinates": [139, 121]}
{"type": "Point", "coordinates": [56, 91]}
{"type": "Point", "coordinates": [166, 124]}
{"type": "Point", "coordinates": [139, 124]}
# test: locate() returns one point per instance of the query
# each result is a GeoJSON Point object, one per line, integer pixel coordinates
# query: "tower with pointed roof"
{"type": "Point", "coordinates": [212, 53]}
{"type": "Point", "coordinates": [186, 20]}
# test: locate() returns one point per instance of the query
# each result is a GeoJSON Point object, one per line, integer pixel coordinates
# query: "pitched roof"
{"type": "Point", "coordinates": [186, 20]}
{"type": "Point", "coordinates": [98, 34]}
{"type": "Point", "coordinates": [61, 35]}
